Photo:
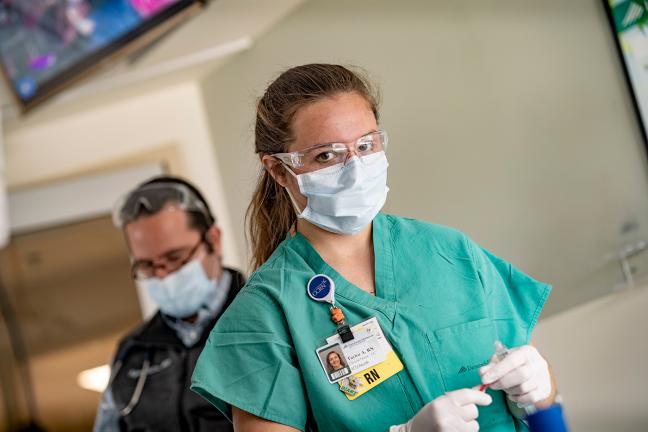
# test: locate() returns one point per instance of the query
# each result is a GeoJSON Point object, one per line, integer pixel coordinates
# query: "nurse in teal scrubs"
{"type": "Point", "coordinates": [440, 299]}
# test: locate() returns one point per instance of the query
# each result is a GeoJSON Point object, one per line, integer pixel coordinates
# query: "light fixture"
{"type": "Point", "coordinates": [95, 379]}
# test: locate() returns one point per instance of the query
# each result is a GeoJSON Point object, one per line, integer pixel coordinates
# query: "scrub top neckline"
{"type": "Point", "coordinates": [385, 297]}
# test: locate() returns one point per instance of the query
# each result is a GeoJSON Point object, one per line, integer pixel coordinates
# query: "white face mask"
{"type": "Point", "coordinates": [183, 292]}
{"type": "Point", "coordinates": [344, 199]}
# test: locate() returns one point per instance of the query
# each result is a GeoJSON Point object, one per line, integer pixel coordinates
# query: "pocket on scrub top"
{"type": "Point", "coordinates": [460, 350]}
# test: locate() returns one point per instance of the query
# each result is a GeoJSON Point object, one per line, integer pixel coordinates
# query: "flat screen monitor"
{"type": "Point", "coordinates": [47, 44]}
{"type": "Point", "coordinates": [629, 22]}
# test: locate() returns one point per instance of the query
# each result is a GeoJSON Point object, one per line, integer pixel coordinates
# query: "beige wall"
{"type": "Point", "coordinates": [166, 125]}
{"type": "Point", "coordinates": [599, 352]}
{"type": "Point", "coordinates": [508, 119]}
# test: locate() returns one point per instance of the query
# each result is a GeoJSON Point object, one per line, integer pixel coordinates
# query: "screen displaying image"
{"type": "Point", "coordinates": [629, 19]}
{"type": "Point", "coordinates": [42, 39]}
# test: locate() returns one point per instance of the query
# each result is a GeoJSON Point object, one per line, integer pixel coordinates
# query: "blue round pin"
{"type": "Point", "coordinates": [321, 288]}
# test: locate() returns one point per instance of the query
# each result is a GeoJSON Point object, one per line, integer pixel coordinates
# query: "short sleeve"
{"type": "Point", "coordinates": [249, 362]}
{"type": "Point", "coordinates": [514, 299]}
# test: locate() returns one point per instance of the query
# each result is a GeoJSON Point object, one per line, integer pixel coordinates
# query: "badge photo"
{"type": "Point", "coordinates": [333, 362]}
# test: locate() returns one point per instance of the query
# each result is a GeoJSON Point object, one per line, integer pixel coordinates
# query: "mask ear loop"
{"type": "Point", "coordinates": [290, 195]}
{"type": "Point", "coordinates": [294, 203]}
{"type": "Point", "coordinates": [217, 261]}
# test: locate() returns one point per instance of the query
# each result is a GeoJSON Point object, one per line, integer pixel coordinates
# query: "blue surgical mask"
{"type": "Point", "coordinates": [183, 292]}
{"type": "Point", "coordinates": [344, 199]}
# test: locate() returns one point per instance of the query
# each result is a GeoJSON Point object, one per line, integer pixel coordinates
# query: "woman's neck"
{"type": "Point", "coordinates": [350, 255]}
{"type": "Point", "coordinates": [336, 246]}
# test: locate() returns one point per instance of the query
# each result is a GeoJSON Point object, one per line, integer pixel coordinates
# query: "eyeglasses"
{"type": "Point", "coordinates": [170, 262]}
{"type": "Point", "coordinates": [326, 155]}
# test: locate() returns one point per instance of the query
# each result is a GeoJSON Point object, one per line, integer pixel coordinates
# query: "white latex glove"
{"type": "Point", "coordinates": [455, 411]}
{"type": "Point", "coordinates": [523, 374]}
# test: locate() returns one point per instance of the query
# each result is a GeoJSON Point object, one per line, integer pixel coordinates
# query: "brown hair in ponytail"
{"type": "Point", "coordinates": [270, 213]}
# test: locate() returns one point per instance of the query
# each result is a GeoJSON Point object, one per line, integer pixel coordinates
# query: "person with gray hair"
{"type": "Point", "coordinates": [175, 250]}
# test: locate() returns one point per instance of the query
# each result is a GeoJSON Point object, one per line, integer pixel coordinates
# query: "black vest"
{"type": "Point", "coordinates": [166, 402]}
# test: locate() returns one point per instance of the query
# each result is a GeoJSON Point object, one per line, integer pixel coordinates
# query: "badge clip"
{"type": "Point", "coordinates": [322, 289]}
{"type": "Point", "coordinates": [343, 329]}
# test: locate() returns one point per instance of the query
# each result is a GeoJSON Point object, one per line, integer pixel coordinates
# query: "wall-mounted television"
{"type": "Point", "coordinates": [45, 45]}
{"type": "Point", "coordinates": [629, 22]}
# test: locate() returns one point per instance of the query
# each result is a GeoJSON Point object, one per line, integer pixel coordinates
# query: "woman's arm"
{"type": "Point", "coordinates": [246, 422]}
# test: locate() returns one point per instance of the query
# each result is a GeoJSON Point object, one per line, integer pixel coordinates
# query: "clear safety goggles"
{"type": "Point", "coordinates": [151, 198]}
{"type": "Point", "coordinates": [325, 155]}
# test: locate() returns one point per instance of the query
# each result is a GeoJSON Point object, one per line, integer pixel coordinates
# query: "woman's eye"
{"type": "Point", "coordinates": [365, 146]}
{"type": "Point", "coordinates": [326, 156]}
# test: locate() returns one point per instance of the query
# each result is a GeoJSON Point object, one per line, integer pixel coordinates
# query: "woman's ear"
{"type": "Point", "coordinates": [275, 169]}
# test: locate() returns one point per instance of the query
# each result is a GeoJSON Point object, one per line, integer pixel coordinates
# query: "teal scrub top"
{"type": "Point", "coordinates": [441, 300]}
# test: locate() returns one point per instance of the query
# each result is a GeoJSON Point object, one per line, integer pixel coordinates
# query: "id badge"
{"type": "Point", "coordinates": [361, 364]}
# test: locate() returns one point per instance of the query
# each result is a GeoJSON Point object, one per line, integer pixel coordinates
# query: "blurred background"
{"type": "Point", "coordinates": [511, 120]}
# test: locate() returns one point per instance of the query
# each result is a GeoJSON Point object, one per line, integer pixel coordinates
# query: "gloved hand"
{"type": "Point", "coordinates": [455, 411]}
{"type": "Point", "coordinates": [523, 374]}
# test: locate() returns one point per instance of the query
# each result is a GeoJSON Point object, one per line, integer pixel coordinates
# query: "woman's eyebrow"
{"type": "Point", "coordinates": [337, 142]}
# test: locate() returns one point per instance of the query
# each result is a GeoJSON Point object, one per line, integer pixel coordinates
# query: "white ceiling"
{"type": "Point", "coordinates": [192, 50]}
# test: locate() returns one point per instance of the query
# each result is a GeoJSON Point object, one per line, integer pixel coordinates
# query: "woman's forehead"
{"type": "Point", "coordinates": [340, 118]}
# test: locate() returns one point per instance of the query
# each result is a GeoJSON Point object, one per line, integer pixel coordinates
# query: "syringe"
{"type": "Point", "coordinates": [500, 353]}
